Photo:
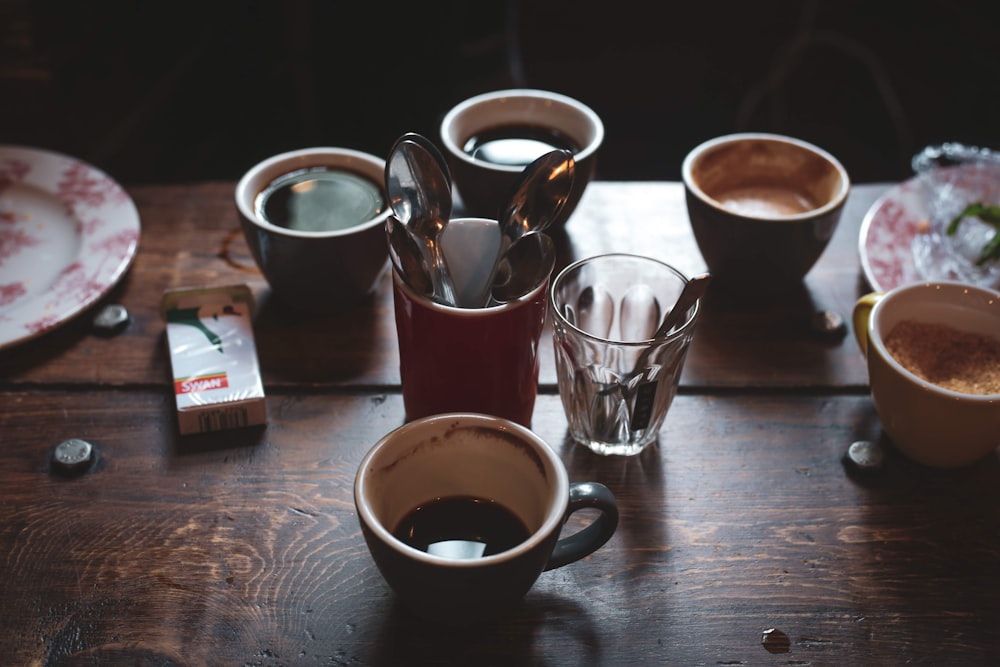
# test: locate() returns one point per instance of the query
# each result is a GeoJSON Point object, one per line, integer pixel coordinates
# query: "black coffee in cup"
{"type": "Point", "coordinates": [517, 145]}
{"type": "Point", "coordinates": [319, 200]}
{"type": "Point", "coordinates": [461, 527]}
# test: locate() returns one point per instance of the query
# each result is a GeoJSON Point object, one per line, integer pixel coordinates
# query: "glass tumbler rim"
{"type": "Point", "coordinates": [680, 331]}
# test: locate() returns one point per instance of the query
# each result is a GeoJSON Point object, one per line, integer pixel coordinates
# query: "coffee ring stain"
{"type": "Point", "coordinates": [226, 254]}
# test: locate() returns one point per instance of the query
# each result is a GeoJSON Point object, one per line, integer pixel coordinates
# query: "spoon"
{"type": "Point", "coordinates": [642, 400]}
{"type": "Point", "coordinates": [537, 197]}
{"type": "Point", "coordinates": [693, 290]}
{"type": "Point", "coordinates": [420, 196]}
{"type": "Point", "coordinates": [525, 266]}
{"type": "Point", "coordinates": [408, 258]}
{"type": "Point", "coordinates": [539, 193]}
{"type": "Point", "coordinates": [429, 146]}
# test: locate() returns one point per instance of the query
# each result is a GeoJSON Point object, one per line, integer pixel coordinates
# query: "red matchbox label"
{"type": "Point", "coordinates": [202, 383]}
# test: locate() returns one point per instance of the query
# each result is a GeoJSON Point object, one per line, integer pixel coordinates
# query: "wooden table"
{"type": "Point", "coordinates": [243, 548]}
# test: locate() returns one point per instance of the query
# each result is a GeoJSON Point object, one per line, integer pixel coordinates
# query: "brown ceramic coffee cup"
{"type": "Point", "coordinates": [334, 260]}
{"type": "Point", "coordinates": [763, 207]}
{"type": "Point", "coordinates": [538, 121]}
{"type": "Point", "coordinates": [462, 512]}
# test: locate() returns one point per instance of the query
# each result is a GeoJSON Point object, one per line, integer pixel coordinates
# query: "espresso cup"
{"type": "Point", "coordinates": [490, 138]}
{"type": "Point", "coordinates": [319, 252]}
{"type": "Point", "coordinates": [763, 207]}
{"type": "Point", "coordinates": [462, 512]}
{"type": "Point", "coordinates": [932, 406]}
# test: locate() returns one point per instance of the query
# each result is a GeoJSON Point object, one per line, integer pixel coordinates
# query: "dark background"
{"type": "Point", "coordinates": [182, 91]}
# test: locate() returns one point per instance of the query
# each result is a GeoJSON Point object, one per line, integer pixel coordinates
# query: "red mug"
{"type": "Point", "coordinates": [481, 360]}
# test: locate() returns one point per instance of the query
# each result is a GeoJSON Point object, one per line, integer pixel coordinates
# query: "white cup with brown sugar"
{"type": "Point", "coordinates": [933, 353]}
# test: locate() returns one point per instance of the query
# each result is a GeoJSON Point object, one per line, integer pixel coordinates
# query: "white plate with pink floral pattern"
{"type": "Point", "coordinates": [68, 233]}
{"type": "Point", "coordinates": [903, 238]}
{"type": "Point", "coordinates": [887, 233]}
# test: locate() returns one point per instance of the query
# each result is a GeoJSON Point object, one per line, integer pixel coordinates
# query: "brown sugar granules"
{"type": "Point", "coordinates": [953, 359]}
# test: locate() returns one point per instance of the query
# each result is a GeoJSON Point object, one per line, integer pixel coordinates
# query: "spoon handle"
{"type": "Point", "coordinates": [693, 290]}
{"type": "Point", "coordinates": [444, 288]}
{"type": "Point", "coordinates": [408, 258]}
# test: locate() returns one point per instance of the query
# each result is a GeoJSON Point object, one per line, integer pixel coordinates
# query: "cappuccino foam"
{"type": "Point", "coordinates": [766, 201]}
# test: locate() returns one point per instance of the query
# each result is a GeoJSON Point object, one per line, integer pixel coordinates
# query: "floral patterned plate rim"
{"type": "Point", "coordinates": [68, 233]}
{"type": "Point", "coordinates": [887, 233]}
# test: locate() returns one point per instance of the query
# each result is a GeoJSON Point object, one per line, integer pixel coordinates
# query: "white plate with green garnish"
{"type": "Point", "coordinates": [944, 224]}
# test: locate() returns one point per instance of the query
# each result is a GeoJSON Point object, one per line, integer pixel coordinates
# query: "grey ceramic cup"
{"type": "Point", "coordinates": [316, 271]}
{"type": "Point", "coordinates": [485, 187]}
{"type": "Point", "coordinates": [486, 457]}
{"type": "Point", "coordinates": [763, 207]}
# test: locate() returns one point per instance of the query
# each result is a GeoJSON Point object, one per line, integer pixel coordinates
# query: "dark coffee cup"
{"type": "Point", "coordinates": [763, 207]}
{"type": "Point", "coordinates": [462, 512]}
{"type": "Point", "coordinates": [531, 122]}
{"type": "Point", "coordinates": [335, 259]}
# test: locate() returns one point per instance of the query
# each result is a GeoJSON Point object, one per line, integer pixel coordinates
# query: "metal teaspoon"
{"type": "Point", "coordinates": [526, 265]}
{"type": "Point", "coordinates": [408, 258]}
{"type": "Point", "coordinates": [538, 196]}
{"type": "Point", "coordinates": [429, 146]}
{"type": "Point", "coordinates": [693, 290]}
{"type": "Point", "coordinates": [420, 196]}
{"type": "Point", "coordinates": [536, 199]}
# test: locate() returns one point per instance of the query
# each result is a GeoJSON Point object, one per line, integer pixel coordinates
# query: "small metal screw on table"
{"type": "Point", "coordinates": [111, 319]}
{"type": "Point", "coordinates": [73, 456]}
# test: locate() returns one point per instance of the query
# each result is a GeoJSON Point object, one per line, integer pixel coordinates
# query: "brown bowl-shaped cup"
{"type": "Point", "coordinates": [485, 186]}
{"type": "Point", "coordinates": [316, 271]}
{"type": "Point", "coordinates": [762, 207]}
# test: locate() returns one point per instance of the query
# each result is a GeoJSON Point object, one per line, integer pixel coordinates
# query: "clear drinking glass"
{"type": "Point", "coordinates": [615, 380]}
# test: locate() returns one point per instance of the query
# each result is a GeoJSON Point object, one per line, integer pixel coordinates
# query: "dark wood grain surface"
{"type": "Point", "coordinates": [191, 237]}
{"type": "Point", "coordinates": [243, 548]}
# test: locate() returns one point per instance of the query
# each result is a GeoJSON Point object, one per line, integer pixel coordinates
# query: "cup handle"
{"type": "Point", "coordinates": [862, 313]}
{"type": "Point", "coordinates": [586, 495]}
